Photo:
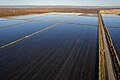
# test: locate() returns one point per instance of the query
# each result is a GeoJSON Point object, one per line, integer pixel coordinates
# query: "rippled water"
{"type": "Point", "coordinates": [67, 51]}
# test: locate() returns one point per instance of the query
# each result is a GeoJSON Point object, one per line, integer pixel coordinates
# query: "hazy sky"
{"type": "Point", "coordinates": [62, 2]}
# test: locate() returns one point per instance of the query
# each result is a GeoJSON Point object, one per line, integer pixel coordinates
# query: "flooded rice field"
{"type": "Point", "coordinates": [51, 46]}
{"type": "Point", "coordinates": [112, 21]}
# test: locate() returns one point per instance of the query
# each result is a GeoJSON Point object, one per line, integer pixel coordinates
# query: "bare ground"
{"type": "Point", "coordinates": [111, 11]}
{"type": "Point", "coordinates": [22, 11]}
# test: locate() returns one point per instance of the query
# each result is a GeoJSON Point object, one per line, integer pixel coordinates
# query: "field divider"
{"type": "Point", "coordinates": [53, 19]}
{"type": "Point", "coordinates": [113, 26]}
{"type": "Point", "coordinates": [112, 48]}
{"type": "Point", "coordinates": [6, 45]}
{"type": "Point", "coordinates": [111, 57]}
{"type": "Point", "coordinates": [13, 25]}
{"type": "Point", "coordinates": [18, 40]}
{"type": "Point", "coordinates": [30, 21]}
{"type": "Point", "coordinates": [81, 24]}
{"type": "Point", "coordinates": [102, 61]}
{"type": "Point", "coordinates": [27, 21]}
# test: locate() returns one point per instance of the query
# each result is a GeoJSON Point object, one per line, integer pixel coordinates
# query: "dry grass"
{"type": "Point", "coordinates": [111, 11]}
{"type": "Point", "coordinates": [4, 12]}
{"type": "Point", "coordinates": [21, 11]}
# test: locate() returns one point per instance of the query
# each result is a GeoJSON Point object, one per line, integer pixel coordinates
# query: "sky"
{"type": "Point", "coordinates": [62, 2]}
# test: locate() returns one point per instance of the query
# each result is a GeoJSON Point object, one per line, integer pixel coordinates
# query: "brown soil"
{"type": "Point", "coordinates": [20, 11]}
{"type": "Point", "coordinates": [111, 11]}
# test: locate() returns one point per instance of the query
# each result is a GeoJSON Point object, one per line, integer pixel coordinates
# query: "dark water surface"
{"type": "Point", "coordinates": [114, 21]}
{"type": "Point", "coordinates": [64, 52]}
{"type": "Point", "coordinates": [115, 35]}
{"type": "Point", "coordinates": [84, 20]}
{"type": "Point", "coordinates": [10, 22]}
{"type": "Point", "coordinates": [18, 31]}
{"type": "Point", "coordinates": [26, 16]}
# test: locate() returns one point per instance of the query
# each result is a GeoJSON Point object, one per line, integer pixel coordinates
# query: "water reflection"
{"type": "Point", "coordinates": [115, 35]}
{"type": "Point", "coordinates": [111, 20]}
{"type": "Point", "coordinates": [65, 51]}
{"type": "Point", "coordinates": [9, 34]}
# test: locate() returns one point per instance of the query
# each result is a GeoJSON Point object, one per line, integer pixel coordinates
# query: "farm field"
{"type": "Point", "coordinates": [49, 46]}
